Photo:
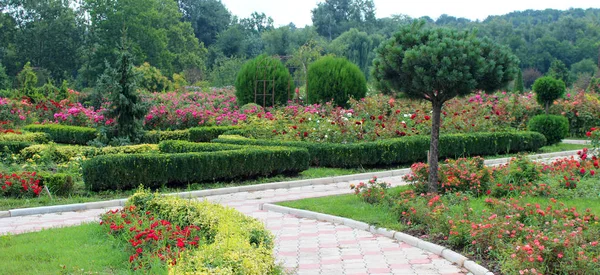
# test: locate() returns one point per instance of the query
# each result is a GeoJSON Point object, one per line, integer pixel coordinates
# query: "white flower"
{"type": "Point", "coordinates": [407, 115]}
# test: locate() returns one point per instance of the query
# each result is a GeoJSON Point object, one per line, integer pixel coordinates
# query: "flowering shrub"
{"type": "Point", "coordinates": [521, 237]}
{"type": "Point", "coordinates": [25, 184]}
{"type": "Point", "coordinates": [150, 239]}
{"type": "Point", "coordinates": [582, 109]}
{"type": "Point", "coordinates": [461, 175]}
{"type": "Point", "coordinates": [372, 191]}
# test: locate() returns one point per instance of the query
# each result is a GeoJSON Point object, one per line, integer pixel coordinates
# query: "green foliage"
{"type": "Point", "coordinates": [154, 28]}
{"type": "Point", "coordinates": [585, 66]}
{"type": "Point", "coordinates": [125, 172]}
{"type": "Point", "coordinates": [58, 183]}
{"type": "Point", "coordinates": [594, 85]}
{"type": "Point", "coordinates": [358, 47]}
{"type": "Point", "coordinates": [126, 107]}
{"type": "Point", "coordinates": [333, 17]}
{"type": "Point", "coordinates": [5, 82]}
{"type": "Point", "coordinates": [262, 75]}
{"type": "Point", "coordinates": [179, 81]}
{"type": "Point", "coordinates": [178, 146]}
{"type": "Point", "coordinates": [335, 78]}
{"type": "Point", "coordinates": [225, 71]}
{"type": "Point", "coordinates": [28, 80]}
{"type": "Point", "coordinates": [63, 91]}
{"type": "Point", "coordinates": [197, 134]}
{"type": "Point", "coordinates": [554, 128]}
{"type": "Point", "coordinates": [404, 150]}
{"type": "Point", "coordinates": [547, 90]}
{"type": "Point", "coordinates": [437, 64]}
{"type": "Point", "coordinates": [13, 147]}
{"type": "Point", "coordinates": [151, 79]}
{"type": "Point", "coordinates": [26, 137]}
{"type": "Point", "coordinates": [208, 18]}
{"type": "Point", "coordinates": [519, 86]}
{"type": "Point", "coordinates": [206, 134]}
{"type": "Point", "coordinates": [559, 70]}
{"type": "Point", "coordinates": [156, 137]}
{"type": "Point", "coordinates": [48, 90]}
{"type": "Point", "coordinates": [57, 154]}
{"type": "Point", "coordinates": [65, 134]}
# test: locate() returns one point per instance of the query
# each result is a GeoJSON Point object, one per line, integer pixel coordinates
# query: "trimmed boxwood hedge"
{"type": "Point", "coordinates": [179, 146]}
{"type": "Point", "coordinates": [406, 149]}
{"type": "Point", "coordinates": [59, 183]}
{"type": "Point", "coordinates": [124, 172]}
{"type": "Point", "coordinates": [13, 147]}
{"type": "Point", "coordinates": [197, 134]}
{"type": "Point", "coordinates": [65, 134]}
{"type": "Point", "coordinates": [26, 137]}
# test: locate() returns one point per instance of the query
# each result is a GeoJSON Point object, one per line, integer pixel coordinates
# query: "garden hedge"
{"type": "Point", "coordinates": [59, 183]}
{"type": "Point", "coordinates": [26, 137]}
{"type": "Point", "coordinates": [13, 147]}
{"type": "Point", "coordinates": [406, 149]}
{"type": "Point", "coordinates": [124, 172]}
{"type": "Point", "coordinates": [65, 134]}
{"type": "Point", "coordinates": [554, 128]}
{"type": "Point", "coordinates": [197, 134]}
{"type": "Point", "coordinates": [235, 243]}
{"type": "Point", "coordinates": [179, 146]}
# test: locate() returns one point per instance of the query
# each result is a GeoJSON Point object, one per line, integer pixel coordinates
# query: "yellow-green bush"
{"type": "Point", "coordinates": [236, 243]}
{"type": "Point", "coordinates": [26, 137]}
{"type": "Point", "coordinates": [65, 153]}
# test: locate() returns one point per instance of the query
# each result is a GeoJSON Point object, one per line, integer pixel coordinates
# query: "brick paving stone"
{"type": "Point", "coordinates": [302, 246]}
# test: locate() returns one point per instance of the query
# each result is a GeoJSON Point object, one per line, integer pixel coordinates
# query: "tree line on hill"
{"type": "Point", "coordinates": [200, 41]}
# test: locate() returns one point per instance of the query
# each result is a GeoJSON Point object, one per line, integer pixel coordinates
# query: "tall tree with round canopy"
{"type": "Point", "coordinates": [438, 64]}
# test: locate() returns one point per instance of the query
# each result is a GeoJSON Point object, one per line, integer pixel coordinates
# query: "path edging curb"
{"type": "Point", "coordinates": [441, 251]}
{"type": "Point", "coordinates": [247, 188]}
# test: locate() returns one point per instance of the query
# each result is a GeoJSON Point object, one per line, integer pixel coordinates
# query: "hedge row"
{"type": "Point", "coordinates": [13, 147]}
{"type": "Point", "coordinates": [235, 243]}
{"type": "Point", "coordinates": [62, 154]}
{"type": "Point", "coordinates": [59, 183]}
{"type": "Point", "coordinates": [198, 134]}
{"type": "Point", "coordinates": [26, 137]}
{"type": "Point", "coordinates": [65, 134]}
{"type": "Point", "coordinates": [124, 172]}
{"type": "Point", "coordinates": [179, 146]}
{"type": "Point", "coordinates": [406, 149]}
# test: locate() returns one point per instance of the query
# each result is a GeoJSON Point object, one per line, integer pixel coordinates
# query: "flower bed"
{"type": "Point", "coordinates": [215, 239]}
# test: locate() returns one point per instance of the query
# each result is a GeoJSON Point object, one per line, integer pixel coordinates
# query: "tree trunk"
{"type": "Point", "coordinates": [434, 147]}
{"type": "Point", "coordinates": [547, 108]}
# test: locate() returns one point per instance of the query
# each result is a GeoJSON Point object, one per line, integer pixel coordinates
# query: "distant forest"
{"type": "Point", "coordinates": [202, 41]}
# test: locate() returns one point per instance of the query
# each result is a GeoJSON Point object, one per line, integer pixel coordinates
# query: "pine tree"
{"type": "Point", "coordinates": [519, 87]}
{"type": "Point", "coordinates": [126, 107]}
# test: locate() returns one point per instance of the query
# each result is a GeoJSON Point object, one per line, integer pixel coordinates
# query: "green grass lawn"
{"type": "Point", "coordinates": [82, 196]}
{"type": "Point", "coordinates": [81, 249]}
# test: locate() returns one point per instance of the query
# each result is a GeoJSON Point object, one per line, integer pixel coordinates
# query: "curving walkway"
{"type": "Point", "coordinates": [302, 246]}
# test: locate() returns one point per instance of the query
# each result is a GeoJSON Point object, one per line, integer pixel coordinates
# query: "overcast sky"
{"type": "Point", "coordinates": [299, 11]}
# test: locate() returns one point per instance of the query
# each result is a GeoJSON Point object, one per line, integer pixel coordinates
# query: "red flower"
{"type": "Point", "coordinates": [589, 134]}
{"type": "Point", "coordinates": [427, 117]}
{"type": "Point", "coordinates": [180, 243]}
{"type": "Point", "coordinates": [305, 134]}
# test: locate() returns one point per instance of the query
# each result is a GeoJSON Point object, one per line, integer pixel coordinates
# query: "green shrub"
{"type": "Point", "coordinates": [554, 128]}
{"type": "Point", "coordinates": [263, 68]}
{"type": "Point", "coordinates": [26, 137]}
{"type": "Point", "coordinates": [178, 146]}
{"type": "Point", "coordinates": [124, 172]}
{"type": "Point", "coordinates": [13, 147]}
{"type": "Point", "coordinates": [236, 243]}
{"type": "Point", "coordinates": [130, 149]}
{"type": "Point", "coordinates": [335, 78]}
{"type": "Point", "coordinates": [151, 79]}
{"type": "Point", "coordinates": [594, 85]}
{"type": "Point", "coordinates": [206, 134]}
{"type": "Point", "coordinates": [59, 183]}
{"type": "Point", "coordinates": [547, 90]}
{"type": "Point", "coordinates": [58, 154]}
{"type": "Point", "coordinates": [406, 149]}
{"type": "Point", "coordinates": [156, 137]}
{"type": "Point", "coordinates": [65, 134]}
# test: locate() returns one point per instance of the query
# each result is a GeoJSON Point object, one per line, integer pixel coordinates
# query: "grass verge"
{"type": "Point", "coordinates": [81, 249]}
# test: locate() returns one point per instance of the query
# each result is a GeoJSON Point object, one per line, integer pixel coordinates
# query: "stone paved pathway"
{"type": "Point", "coordinates": [303, 246]}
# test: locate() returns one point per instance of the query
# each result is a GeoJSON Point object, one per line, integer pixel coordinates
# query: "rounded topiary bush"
{"type": "Point", "coordinates": [251, 76]}
{"type": "Point", "coordinates": [547, 90]}
{"type": "Point", "coordinates": [335, 78]}
{"type": "Point", "coordinates": [554, 128]}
